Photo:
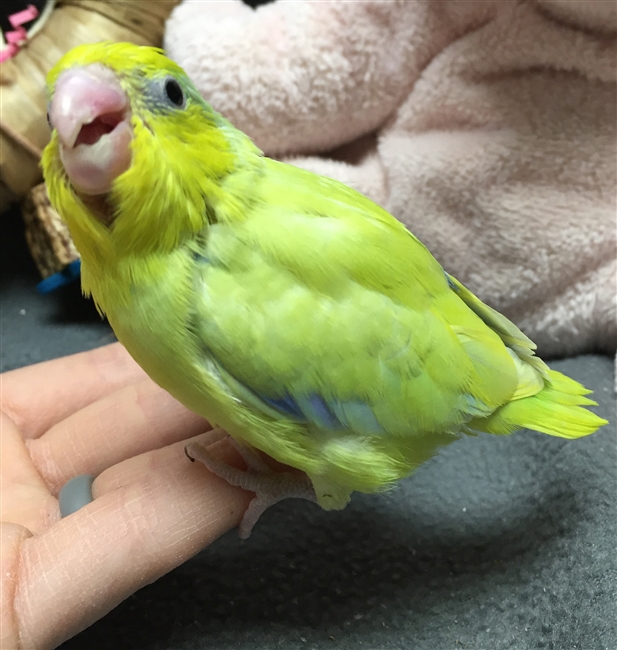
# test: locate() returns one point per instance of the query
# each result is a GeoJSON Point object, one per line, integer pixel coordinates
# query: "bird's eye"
{"type": "Point", "coordinates": [174, 92]}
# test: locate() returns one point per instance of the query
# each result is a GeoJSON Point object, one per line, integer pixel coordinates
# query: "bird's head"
{"type": "Point", "coordinates": [137, 158]}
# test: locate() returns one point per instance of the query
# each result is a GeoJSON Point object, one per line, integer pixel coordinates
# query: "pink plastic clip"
{"type": "Point", "coordinates": [16, 38]}
{"type": "Point", "coordinates": [25, 16]}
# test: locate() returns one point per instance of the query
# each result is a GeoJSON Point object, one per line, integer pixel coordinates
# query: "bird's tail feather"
{"type": "Point", "coordinates": [557, 410]}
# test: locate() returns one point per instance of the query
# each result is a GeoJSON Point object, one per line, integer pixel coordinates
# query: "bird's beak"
{"type": "Point", "coordinates": [91, 114]}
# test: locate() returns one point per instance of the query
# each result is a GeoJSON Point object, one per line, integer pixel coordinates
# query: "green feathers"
{"type": "Point", "coordinates": [291, 310]}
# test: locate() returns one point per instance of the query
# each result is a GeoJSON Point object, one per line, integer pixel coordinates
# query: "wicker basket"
{"type": "Point", "coordinates": [47, 235]}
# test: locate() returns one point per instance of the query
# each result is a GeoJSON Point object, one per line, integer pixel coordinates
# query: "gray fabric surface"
{"type": "Point", "coordinates": [497, 543]}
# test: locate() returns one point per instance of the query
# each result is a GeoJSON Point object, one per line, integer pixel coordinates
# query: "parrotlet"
{"type": "Point", "coordinates": [283, 306]}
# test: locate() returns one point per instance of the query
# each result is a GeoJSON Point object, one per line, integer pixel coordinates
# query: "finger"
{"type": "Point", "coordinates": [131, 534]}
{"type": "Point", "coordinates": [139, 468]}
{"type": "Point", "coordinates": [38, 396]}
{"type": "Point", "coordinates": [11, 538]}
{"type": "Point", "coordinates": [25, 499]}
{"type": "Point", "coordinates": [135, 419]}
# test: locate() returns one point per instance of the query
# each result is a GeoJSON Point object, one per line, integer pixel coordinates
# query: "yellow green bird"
{"type": "Point", "coordinates": [283, 306]}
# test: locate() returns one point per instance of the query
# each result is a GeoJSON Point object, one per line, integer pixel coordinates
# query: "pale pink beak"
{"type": "Point", "coordinates": [91, 114]}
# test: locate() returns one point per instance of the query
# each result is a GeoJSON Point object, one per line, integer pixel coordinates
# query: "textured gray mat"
{"type": "Point", "coordinates": [497, 543]}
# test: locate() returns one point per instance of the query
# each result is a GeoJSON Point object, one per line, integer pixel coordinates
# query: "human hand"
{"type": "Point", "coordinates": [97, 413]}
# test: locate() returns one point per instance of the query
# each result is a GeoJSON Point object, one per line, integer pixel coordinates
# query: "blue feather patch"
{"type": "Point", "coordinates": [317, 411]}
{"type": "Point", "coordinates": [332, 416]}
{"type": "Point", "coordinates": [286, 406]}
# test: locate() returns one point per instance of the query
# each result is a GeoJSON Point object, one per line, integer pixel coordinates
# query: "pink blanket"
{"type": "Point", "coordinates": [487, 127]}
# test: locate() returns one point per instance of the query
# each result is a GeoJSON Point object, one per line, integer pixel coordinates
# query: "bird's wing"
{"type": "Point", "coordinates": [320, 307]}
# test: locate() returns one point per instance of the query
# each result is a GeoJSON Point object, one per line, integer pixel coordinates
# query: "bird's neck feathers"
{"type": "Point", "coordinates": [181, 178]}
{"type": "Point", "coordinates": [176, 182]}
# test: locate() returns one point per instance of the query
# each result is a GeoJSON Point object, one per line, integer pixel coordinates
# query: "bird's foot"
{"type": "Point", "coordinates": [269, 486]}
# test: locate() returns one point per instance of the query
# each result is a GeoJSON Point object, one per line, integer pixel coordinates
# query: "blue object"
{"type": "Point", "coordinates": [76, 494]}
{"type": "Point", "coordinates": [328, 415]}
{"type": "Point", "coordinates": [68, 274]}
